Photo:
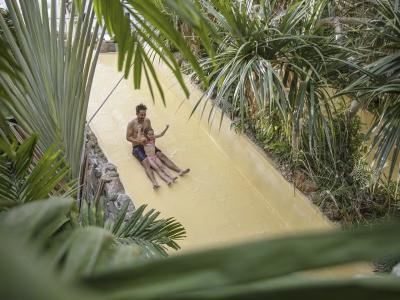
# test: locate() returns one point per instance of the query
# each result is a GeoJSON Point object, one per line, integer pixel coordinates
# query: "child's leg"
{"type": "Point", "coordinates": [164, 169]}
{"type": "Point", "coordinates": [159, 171]}
{"type": "Point", "coordinates": [164, 176]}
{"type": "Point", "coordinates": [152, 178]}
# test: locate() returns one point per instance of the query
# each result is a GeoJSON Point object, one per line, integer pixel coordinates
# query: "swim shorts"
{"type": "Point", "coordinates": [138, 152]}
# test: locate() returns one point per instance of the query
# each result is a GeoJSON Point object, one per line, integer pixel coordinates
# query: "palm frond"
{"type": "Point", "coordinates": [143, 229]}
{"type": "Point", "coordinates": [23, 181]}
{"type": "Point", "coordinates": [138, 26]}
{"type": "Point", "coordinates": [73, 250]}
{"type": "Point", "coordinates": [57, 68]}
{"type": "Point", "coordinates": [380, 81]}
{"type": "Point", "coordinates": [38, 221]}
{"type": "Point", "coordinates": [92, 260]}
{"type": "Point", "coordinates": [258, 266]}
{"type": "Point", "coordinates": [274, 64]}
{"type": "Point", "coordinates": [39, 282]}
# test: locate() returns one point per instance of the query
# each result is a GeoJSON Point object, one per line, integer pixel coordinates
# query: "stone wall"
{"type": "Point", "coordinates": [103, 174]}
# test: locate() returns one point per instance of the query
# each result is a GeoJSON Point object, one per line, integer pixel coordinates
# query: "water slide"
{"type": "Point", "coordinates": [233, 192]}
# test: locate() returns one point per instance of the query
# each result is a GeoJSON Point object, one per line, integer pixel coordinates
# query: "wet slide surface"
{"type": "Point", "coordinates": [232, 194]}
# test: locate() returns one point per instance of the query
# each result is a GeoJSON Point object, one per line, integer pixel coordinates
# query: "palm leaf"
{"type": "Point", "coordinates": [24, 181]}
{"type": "Point", "coordinates": [138, 25]}
{"type": "Point", "coordinates": [380, 80]}
{"type": "Point", "coordinates": [257, 268]}
{"type": "Point", "coordinates": [260, 269]}
{"type": "Point", "coordinates": [37, 221]}
{"type": "Point", "coordinates": [30, 278]}
{"type": "Point", "coordinates": [56, 74]}
{"type": "Point", "coordinates": [140, 228]}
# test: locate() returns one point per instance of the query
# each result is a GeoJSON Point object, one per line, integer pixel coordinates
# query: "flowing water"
{"type": "Point", "coordinates": [232, 194]}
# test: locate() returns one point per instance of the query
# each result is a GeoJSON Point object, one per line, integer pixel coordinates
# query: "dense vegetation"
{"type": "Point", "coordinates": [294, 75]}
{"type": "Point", "coordinates": [273, 66]}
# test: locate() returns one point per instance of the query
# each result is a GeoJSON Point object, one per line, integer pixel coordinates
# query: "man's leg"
{"type": "Point", "coordinates": [170, 164]}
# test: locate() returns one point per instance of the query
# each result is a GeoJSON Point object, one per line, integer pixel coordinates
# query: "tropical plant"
{"type": "Point", "coordinates": [57, 58]}
{"type": "Point", "coordinates": [139, 228]}
{"type": "Point", "coordinates": [22, 179]}
{"type": "Point", "coordinates": [259, 269]}
{"type": "Point", "coordinates": [274, 63]}
{"type": "Point", "coordinates": [378, 87]}
{"type": "Point", "coordinates": [57, 68]}
{"type": "Point", "coordinates": [45, 77]}
{"type": "Point", "coordinates": [57, 252]}
{"type": "Point", "coordinates": [88, 242]}
{"type": "Point", "coordinates": [7, 19]}
{"type": "Point", "coordinates": [138, 26]}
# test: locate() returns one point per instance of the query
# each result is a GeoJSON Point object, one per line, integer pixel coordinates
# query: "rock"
{"type": "Point", "coordinates": [113, 187]}
{"type": "Point", "coordinates": [109, 167]}
{"type": "Point", "coordinates": [97, 172]}
{"type": "Point", "coordinates": [111, 210]}
{"type": "Point", "coordinates": [122, 198]}
{"type": "Point", "coordinates": [99, 169]}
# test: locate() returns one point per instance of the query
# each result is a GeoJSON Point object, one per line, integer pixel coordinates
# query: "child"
{"type": "Point", "coordinates": [155, 162]}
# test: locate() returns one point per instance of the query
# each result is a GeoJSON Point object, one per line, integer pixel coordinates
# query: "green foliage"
{"type": "Point", "coordinates": [137, 228]}
{"type": "Point", "coordinates": [7, 18]}
{"type": "Point", "coordinates": [79, 246]}
{"type": "Point", "coordinates": [275, 64]}
{"type": "Point", "coordinates": [259, 269]}
{"type": "Point", "coordinates": [341, 184]}
{"type": "Point", "coordinates": [270, 67]}
{"type": "Point", "coordinates": [142, 25]}
{"type": "Point", "coordinates": [346, 192]}
{"type": "Point", "coordinates": [378, 88]}
{"type": "Point", "coordinates": [275, 72]}
{"type": "Point", "coordinates": [56, 69]}
{"type": "Point", "coordinates": [21, 179]}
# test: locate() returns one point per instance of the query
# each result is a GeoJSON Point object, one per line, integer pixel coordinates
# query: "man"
{"type": "Point", "coordinates": [136, 126]}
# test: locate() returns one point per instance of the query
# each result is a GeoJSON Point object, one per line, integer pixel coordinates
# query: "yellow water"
{"type": "Point", "coordinates": [233, 193]}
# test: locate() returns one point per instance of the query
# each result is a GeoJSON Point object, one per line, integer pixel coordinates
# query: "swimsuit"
{"type": "Point", "coordinates": [138, 152]}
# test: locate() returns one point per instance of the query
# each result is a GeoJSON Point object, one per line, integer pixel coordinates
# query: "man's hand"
{"type": "Point", "coordinates": [142, 140]}
{"type": "Point", "coordinates": [139, 129]}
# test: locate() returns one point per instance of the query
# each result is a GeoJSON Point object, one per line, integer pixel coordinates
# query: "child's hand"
{"type": "Point", "coordinates": [166, 127]}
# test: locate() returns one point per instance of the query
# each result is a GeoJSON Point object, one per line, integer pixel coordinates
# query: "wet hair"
{"type": "Point", "coordinates": [140, 107]}
{"type": "Point", "coordinates": [147, 130]}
